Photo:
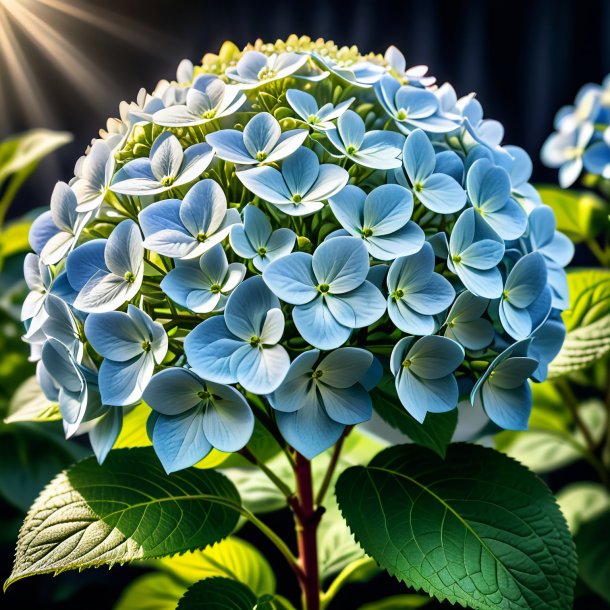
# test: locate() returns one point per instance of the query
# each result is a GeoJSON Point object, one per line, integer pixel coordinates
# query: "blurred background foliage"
{"type": "Point", "coordinates": [525, 60]}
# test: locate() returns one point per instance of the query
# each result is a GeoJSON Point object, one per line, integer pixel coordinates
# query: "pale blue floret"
{"type": "Point", "coordinates": [188, 228]}
{"type": "Point", "coordinates": [242, 346]}
{"type": "Point", "coordinates": [423, 369]}
{"type": "Point", "coordinates": [319, 398]}
{"type": "Point", "coordinates": [194, 416]}
{"type": "Point", "coordinates": [362, 74]}
{"type": "Point", "coordinates": [381, 219]}
{"type": "Point", "coordinates": [39, 280]}
{"type": "Point", "coordinates": [203, 286]}
{"type": "Point", "coordinates": [61, 324]}
{"type": "Point", "coordinates": [489, 191]}
{"type": "Point", "coordinates": [329, 290]}
{"type": "Point", "coordinates": [475, 250]}
{"type": "Point", "coordinates": [107, 272]}
{"type": "Point", "coordinates": [318, 118]}
{"type": "Point", "coordinates": [54, 233]}
{"type": "Point", "coordinates": [439, 192]}
{"type": "Point", "coordinates": [256, 241]}
{"type": "Point", "coordinates": [412, 107]}
{"type": "Point", "coordinates": [465, 323]}
{"type": "Point", "coordinates": [167, 167]}
{"type": "Point", "coordinates": [555, 247]}
{"type": "Point", "coordinates": [526, 298]}
{"type": "Point", "coordinates": [546, 343]}
{"type": "Point", "coordinates": [302, 185]}
{"type": "Point", "coordinates": [503, 390]}
{"type": "Point", "coordinates": [261, 141]}
{"type": "Point", "coordinates": [93, 174]}
{"type": "Point", "coordinates": [378, 149]}
{"type": "Point", "coordinates": [416, 293]}
{"type": "Point", "coordinates": [397, 64]}
{"type": "Point", "coordinates": [208, 99]}
{"type": "Point", "coordinates": [255, 69]}
{"type": "Point", "coordinates": [597, 159]}
{"type": "Point", "coordinates": [131, 344]}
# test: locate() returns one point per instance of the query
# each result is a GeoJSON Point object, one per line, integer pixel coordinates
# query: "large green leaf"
{"type": "Point", "coordinates": [126, 509]}
{"type": "Point", "coordinates": [478, 528]}
{"type": "Point", "coordinates": [580, 214]}
{"type": "Point", "coordinates": [155, 591]}
{"type": "Point", "coordinates": [587, 322]}
{"type": "Point", "coordinates": [30, 404]}
{"type": "Point", "coordinates": [436, 431]}
{"type": "Point", "coordinates": [593, 546]}
{"type": "Point", "coordinates": [218, 594]}
{"type": "Point", "coordinates": [582, 501]}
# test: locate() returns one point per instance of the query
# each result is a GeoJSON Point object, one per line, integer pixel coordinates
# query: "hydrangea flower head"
{"type": "Point", "coordinates": [242, 240]}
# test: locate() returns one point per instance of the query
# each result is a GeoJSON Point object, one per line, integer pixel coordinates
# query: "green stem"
{"type": "Point", "coordinates": [268, 472]}
{"type": "Point", "coordinates": [330, 471]}
{"type": "Point", "coordinates": [597, 251]}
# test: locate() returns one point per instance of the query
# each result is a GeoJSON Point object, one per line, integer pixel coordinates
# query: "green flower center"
{"type": "Point", "coordinates": [451, 323]}
{"type": "Point", "coordinates": [406, 363]}
{"type": "Point", "coordinates": [313, 119]}
{"type": "Point", "coordinates": [351, 149]}
{"type": "Point", "coordinates": [401, 115]}
{"type": "Point", "coordinates": [255, 341]}
{"type": "Point", "coordinates": [262, 250]}
{"type": "Point", "coordinates": [456, 258]}
{"type": "Point", "coordinates": [167, 180]}
{"type": "Point", "coordinates": [316, 374]}
{"type": "Point", "coordinates": [296, 198]}
{"type": "Point", "coordinates": [505, 295]}
{"type": "Point", "coordinates": [204, 394]}
{"type": "Point", "coordinates": [146, 346]}
{"type": "Point", "coordinates": [266, 73]}
{"type": "Point", "coordinates": [367, 232]}
{"type": "Point", "coordinates": [398, 294]}
{"type": "Point", "coordinates": [130, 277]}
{"type": "Point", "coordinates": [323, 288]}
{"type": "Point", "coordinates": [419, 187]}
{"type": "Point", "coordinates": [209, 114]}
{"type": "Point", "coordinates": [261, 155]}
{"type": "Point", "coordinates": [215, 288]}
{"type": "Point", "coordinates": [201, 237]}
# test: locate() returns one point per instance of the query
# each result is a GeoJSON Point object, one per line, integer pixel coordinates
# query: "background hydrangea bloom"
{"type": "Point", "coordinates": [253, 232]}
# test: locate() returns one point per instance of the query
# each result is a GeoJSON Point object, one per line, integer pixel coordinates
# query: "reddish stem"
{"type": "Point", "coordinates": [307, 519]}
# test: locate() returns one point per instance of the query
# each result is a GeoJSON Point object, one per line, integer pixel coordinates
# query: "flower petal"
{"type": "Point", "coordinates": [318, 326]}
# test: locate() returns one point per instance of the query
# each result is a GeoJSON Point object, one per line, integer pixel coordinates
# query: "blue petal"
{"type": "Point", "coordinates": [179, 441]}
{"type": "Point", "coordinates": [229, 145]}
{"type": "Point", "coordinates": [122, 383]}
{"type": "Point", "coordinates": [418, 156]}
{"type": "Point", "coordinates": [300, 171]}
{"type": "Point", "coordinates": [41, 231]}
{"type": "Point", "coordinates": [261, 371]}
{"type": "Point", "coordinates": [160, 216]}
{"type": "Point", "coordinates": [359, 307]}
{"type": "Point", "coordinates": [442, 194]}
{"type": "Point", "coordinates": [348, 208]}
{"type": "Point", "coordinates": [342, 263]}
{"type": "Point", "coordinates": [526, 280]}
{"type": "Point", "coordinates": [296, 390]}
{"type": "Point", "coordinates": [173, 391]}
{"type": "Point", "coordinates": [488, 185]}
{"type": "Point", "coordinates": [351, 129]}
{"type": "Point", "coordinates": [409, 320]}
{"type": "Point", "coordinates": [84, 262]}
{"type": "Point", "coordinates": [266, 183]}
{"type": "Point", "coordinates": [509, 409]}
{"type": "Point", "coordinates": [347, 406]}
{"type": "Point", "coordinates": [318, 326]}
{"type": "Point", "coordinates": [261, 134]}
{"type": "Point", "coordinates": [483, 283]}
{"type": "Point", "coordinates": [344, 367]}
{"type": "Point", "coordinates": [509, 222]}
{"type": "Point", "coordinates": [434, 357]}
{"type": "Point", "coordinates": [387, 209]}
{"type": "Point", "coordinates": [302, 103]}
{"type": "Point", "coordinates": [105, 433]}
{"type": "Point", "coordinates": [448, 162]}
{"type": "Point", "coordinates": [291, 278]}
{"type": "Point", "coordinates": [483, 254]}
{"type": "Point", "coordinates": [124, 251]}
{"type": "Point", "coordinates": [418, 396]}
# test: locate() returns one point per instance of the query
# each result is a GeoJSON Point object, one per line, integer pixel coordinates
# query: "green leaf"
{"type": "Point", "coordinates": [218, 594]}
{"type": "Point", "coordinates": [587, 322]}
{"type": "Point", "coordinates": [126, 509]}
{"type": "Point", "coordinates": [30, 404]}
{"type": "Point", "coordinates": [231, 558]}
{"type": "Point", "coordinates": [580, 214]}
{"type": "Point", "coordinates": [14, 238]}
{"type": "Point", "coordinates": [549, 444]}
{"type": "Point", "coordinates": [478, 528]}
{"type": "Point", "coordinates": [30, 456]}
{"type": "Point", "coordinates": [436, 431]}
{"type": "Point", "coordinates": [156, 591]}
{"type": "Point", "coordinates": [593, 546]}
{"type": "Point", "coordinates": [398, 602]}
{"type": "Point", "coordinates": [582, 501]}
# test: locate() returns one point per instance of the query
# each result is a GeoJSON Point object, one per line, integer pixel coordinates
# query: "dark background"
{"type": "Point", "coordinates": [524, 59]}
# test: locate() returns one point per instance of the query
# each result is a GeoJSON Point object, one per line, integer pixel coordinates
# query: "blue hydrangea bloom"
{"type": "Point", "coordinates": [167, 167]}
{"type": "Point", "coordinates": [256, 241]}
{"type": "Point", "coordinates": [416, 76]}
{"type": "Point", "coordinates": [376, 149]}
{"type": "Point", "coordinates": [241, 346]}
{"type": "Point", "coordinates": [188, 228]}
{"type": "Point", "coordinates": [130, 343]}
{"type": "Point", "coordinates": [208, 99]}
{"type": "Point", "coordinates": [194, 416]}
{"type": "Point", "coordinates": [39, 281]}
{"type": "Point", "coordinates": [54, 233]}
{"type": "Point", "coordinates": [547, 340]}
{"type": "Point", "coordinates": [255, 69]}
{"type": "Point", "coordinates": [526, 299]}
{"type": "Point", "coordinates": [329, 290]}
{"type": "Point", "coordinates": [306, 107]}
{"type": "Point", "coordinates": [301, 186]}
{"type": "Point", "coordinates": [597, 158]}
{"type": "Point", "coordinates": [475, 250]}
{"type": "Point", "coordinates": [361, 73]}
{"type": "Point", "coordinates": [381, 219]}
{"type": "Point", "coordinates": [204, 285]}
{"type": "Point", "coordinates": [93, 174]}
{"type": "Point", "coordinates": [519, 167]}
{"type": "Point", "coordinates": [484, 131]}
{"type": "Point", "coordinates": [416, 293]}
{"type": "Point", "coordinates": [423, 369]}
{"type": "Point", "coordinates": [503, 391]}
{"type": "Point", "coordinates": [261, 141]}
{"type": "Point", "coordinates": [61, 324]}
{"type": "Point", "coordinates": [465, 323]}
{"type": "Point", "coordinates": [439, 192]}
{"type": "Point", "coordinates": [489, 191]}
{"type": "Point", "coordinates": [107, 272]}
{"type": "Point", "coordinates": [555, 247]}
{"type": "Point", "coordinates": [412, 107]}
{"type": "Point", "coordinates": [318, 399]}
